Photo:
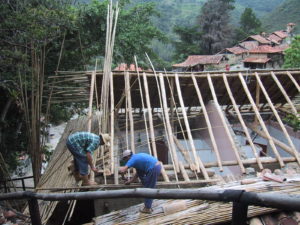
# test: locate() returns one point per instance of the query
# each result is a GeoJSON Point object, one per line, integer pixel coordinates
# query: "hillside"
{"type": "Point", "coordinates": [285, 13]}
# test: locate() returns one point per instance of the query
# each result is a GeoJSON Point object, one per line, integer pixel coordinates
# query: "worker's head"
{"type": "Point", "coordinates": [126, 154]}
{"type": "Point", "coordinates": [105, 139]}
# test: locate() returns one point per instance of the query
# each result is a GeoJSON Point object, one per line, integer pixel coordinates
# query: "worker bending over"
{"type": "Point", "coordinates": [147, 169]}
{"type": "Point", "coordinates": [82, 145]}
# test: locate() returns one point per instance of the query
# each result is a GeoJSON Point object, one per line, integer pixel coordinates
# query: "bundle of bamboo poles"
{"type": "Point", "coordinates": [198, 211]}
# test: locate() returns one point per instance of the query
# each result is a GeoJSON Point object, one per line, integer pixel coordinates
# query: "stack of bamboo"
{"type": "Point", "coordinates": [198, 211]}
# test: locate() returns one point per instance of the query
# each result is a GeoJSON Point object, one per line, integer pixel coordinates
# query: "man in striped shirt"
{"type": "Point", "coordinates": [82, 145]}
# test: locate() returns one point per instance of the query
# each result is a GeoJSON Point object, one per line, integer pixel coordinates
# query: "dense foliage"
{"type": "Point", "coordinates": [292, 54]}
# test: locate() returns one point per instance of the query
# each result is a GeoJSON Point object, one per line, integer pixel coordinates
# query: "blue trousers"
{"type": "Point", "coordinates": [149, 181]}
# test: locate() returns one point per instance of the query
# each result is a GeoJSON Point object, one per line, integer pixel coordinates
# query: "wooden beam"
{"type": "Point", "coordinates": [237, 155]}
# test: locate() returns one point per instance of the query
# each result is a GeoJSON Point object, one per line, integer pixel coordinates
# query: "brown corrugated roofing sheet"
{"type": "Point", "coordinates": [274, 38]}
{"type": "Point", "coordinates": [193, 60]}
{"type": "Point", "coordinates": [256, 60]}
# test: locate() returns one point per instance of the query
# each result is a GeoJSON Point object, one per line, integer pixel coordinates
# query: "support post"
{"type": "Point", "coordinates": [239, 213]}
{"type": "Point", "coordinates": [34, 212]}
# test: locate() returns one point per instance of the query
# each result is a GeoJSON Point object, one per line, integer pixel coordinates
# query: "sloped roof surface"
{"type": "Point", "coordinates": [282, 34]}
{"type": "Point", "coordinates": [262, 49]}
{"type": "Point", "coordinates": [256, 60]}
{"type": "Point", "coordinates": [236, 50]}
{"type": "Point", "coordinates": [248, 44]}
{"type": "Point", "coordinates": [193, 60]}
{"type": "Point", "coordinates": [260, 39]}
{"type": "Point", "coordinates": [274, 38]}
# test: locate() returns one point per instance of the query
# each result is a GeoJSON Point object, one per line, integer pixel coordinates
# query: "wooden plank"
{"type": "Point", "coordinates": [212, 89]}
{"type": "Point", "coordinates": [261, 122]}
{"type": "Point", "coordinates": [207, 120]}
{"type": "Point", "coordinates": [236, 108]}
{"type": "Point", "coordinates": [287, 98]}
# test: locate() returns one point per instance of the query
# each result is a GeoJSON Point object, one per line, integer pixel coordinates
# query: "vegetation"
{"type": "Point", "coordinates": [292, 54]}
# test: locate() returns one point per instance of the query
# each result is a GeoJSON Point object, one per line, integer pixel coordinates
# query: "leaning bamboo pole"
{"type": "Point", "coordinates": [207, 120]}
{"type": "Point", "coordinates": [284, 93]}
{"type": "Point", "coordinates": [128, 94]}
{"type": "Point", "coordinates": [236, 109]}
{"type": "Point", "coordinates": [167, 123]}
{"type": "Point", "coordinates": [198, 162]}
{"type": "Point", "coordinates": [92, 87]}
{"type": "Point", "coordinates": [293, 80]}
{"type": "Point", "coordinates": [114, 163]}
{"type": "Point", "coordinates": [260, 120]}
{"type": "Point", "coordinates": [296, 154]}
{"type": "Point", "coordinates": [212, 89]}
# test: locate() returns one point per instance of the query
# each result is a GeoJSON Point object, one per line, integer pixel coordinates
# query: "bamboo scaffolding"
{"type": "Point", "coordinates": [296, 154]}
{"type": "Point", "coordinates": [207, 120]}
{"type": "Point", "coordinates": [249, 139]}
{"type": "Point", "coordinates": [212, 89]}
{"type": "Point", "coordinates": [128, 91]}
{"type": "Point", "coordinates": [284, 93]}
{"type": "Point", "coordinates": [198, 162]}
{"type": "Point", "coordinates": [261, 122]}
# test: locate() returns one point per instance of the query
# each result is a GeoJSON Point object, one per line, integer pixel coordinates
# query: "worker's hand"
{"type": "Point", "coordinates": [94, 169]}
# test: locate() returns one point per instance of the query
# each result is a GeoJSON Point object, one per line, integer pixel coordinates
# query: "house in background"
{"type": "Point", "coordinates": [196, 63]}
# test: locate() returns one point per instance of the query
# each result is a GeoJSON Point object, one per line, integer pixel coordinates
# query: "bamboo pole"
{"type": "Point", "coordinates": [167, 123]}
{"type": "Point", "coordinates": [207, 120]}
{"type": "Point", "coordinates": [112, 127]}
{"type": "Point", "coordinates": [198, 162]}
{"type": "Point", "coordinates": [236, 108]}
{"type": "Point", "coordinates": [296, 154]}
{"type": "Point", "coordinates": [127, 83]}
{"type": "Point", "coordinates": [261, 122]}
{"type": "Point", "coordinates": [183, 172]}
{"type": "Point", "coordinates": [91, 101]}
{"type": "Point", "coordinates": [284, 93]}
{"type": "Point", "coordinates": [257, 98]}
{"type": "Point", "coordinates": [184, 152]}
{"type": "Point", "coordinates": [293, 80]}
{"type": "Point", "coordinates": [152, 136]}
{"type": "Point", "coordinates": [212, 89]}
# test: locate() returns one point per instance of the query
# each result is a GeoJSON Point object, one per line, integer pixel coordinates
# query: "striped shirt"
{"type": "Point", "coordinates": [84, 142]}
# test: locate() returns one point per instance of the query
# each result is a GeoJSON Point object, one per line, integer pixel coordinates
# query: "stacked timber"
{"type": "Point", "coordinates": [200, 211]}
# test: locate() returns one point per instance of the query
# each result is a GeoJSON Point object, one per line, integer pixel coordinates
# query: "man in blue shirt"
{"type": "Point", "coordinates": [82, 145]}
{"type": "Point", "coordinates": [147, 169]}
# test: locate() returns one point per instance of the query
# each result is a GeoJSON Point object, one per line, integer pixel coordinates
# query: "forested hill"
{"type": "Point", "coordinates": [288, 11]}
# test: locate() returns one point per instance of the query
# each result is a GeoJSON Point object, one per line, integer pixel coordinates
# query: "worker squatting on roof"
{"type": "Point", "coordinates": [82, 145]}
{"type": "Point", "coordinates": [147, 169]}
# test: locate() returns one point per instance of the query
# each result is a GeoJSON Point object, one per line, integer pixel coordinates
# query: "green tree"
{"type": "Point", "coordinates": [292, 54]}
{"type": "Point", "coordinates": [249, 24]}
{"type": "Point", "coordinates": [188, 43]}
{"type": "Point", "coordinates": [214, 22]}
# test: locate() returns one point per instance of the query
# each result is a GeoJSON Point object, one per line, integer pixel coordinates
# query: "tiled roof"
{"type": "Point", "coordinates": [260, 39]}
{"type": "Point", "coordinates": [256, 60]}
{"type": "Point", "coordinates": [248, 44]}
{"type": "Point", "coordinates": [282, 34]}
{"type": "Point", "coordinates": [263, 49]}
{"type": "Point", "coordinates": [193, 60]}
{"type": "Point", "coordinates": [236, 50]}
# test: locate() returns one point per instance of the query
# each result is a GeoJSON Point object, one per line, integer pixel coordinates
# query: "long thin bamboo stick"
{"type": "Point", "coordinates": [296, 154]}
{"type": "Point", "coordinates": [112, 127]}
{"type": "Point", "coordinates": [261, 122]}
{"type": "Point", "coordinates": [293, 80]}
{"type": "Point", "coordinates": [212, 89]}
{"type": "Point", "coordinates": [236, 108]}
{"type": "Point", "coordinates": [91, 101]}
{"type": "Point", "coordinates": [284, 93]}
{"type": "Point", "coordinates": [128, 90]}
{"type": "Point", "coordinates": [167, 123]}
{"type": "Point", "coordinates": [199, 164]}
{"type": "Point", "coordinates": [207, 120]}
